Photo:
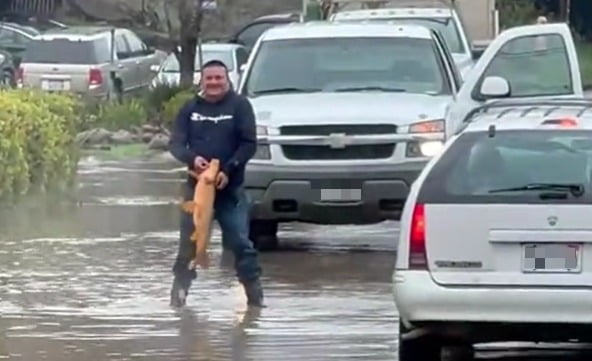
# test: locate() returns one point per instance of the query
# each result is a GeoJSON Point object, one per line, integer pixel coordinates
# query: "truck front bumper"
{"type": "Point", "coordinates": [330, 194]}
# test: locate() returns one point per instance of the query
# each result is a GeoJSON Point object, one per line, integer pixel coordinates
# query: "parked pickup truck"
{"type": "Point", "coordinates": [440, 18]}
{"type": "Point", "coordinates": [338, 107]}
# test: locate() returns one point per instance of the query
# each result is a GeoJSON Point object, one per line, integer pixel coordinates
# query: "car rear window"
{"type": "Point", "coordinates": [64, 51]}
{"type": "Point", "coordinates": [476, 164]}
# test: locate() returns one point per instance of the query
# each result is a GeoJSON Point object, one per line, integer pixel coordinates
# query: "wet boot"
{"type": "Point", "coordinates": [179, 293]}
{"type": "Point", "coordinates": [254, 293]}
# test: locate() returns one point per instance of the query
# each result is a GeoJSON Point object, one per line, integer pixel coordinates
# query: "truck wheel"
{"type": "Point", "coordinates": [263, 234]}
{"type": "Point", "coordinates": [425, 348]}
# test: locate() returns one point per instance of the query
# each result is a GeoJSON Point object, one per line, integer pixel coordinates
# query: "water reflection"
{"type": "Point", "coordinates": [89, 281]}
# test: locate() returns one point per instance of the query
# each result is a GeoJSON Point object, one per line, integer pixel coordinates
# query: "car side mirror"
{"type": "Point", "coordinates": [242, 68]}
{"type": "Point", "coordinates": [154, 68]}
{"type": "Point", "coordinates": [495, 87]}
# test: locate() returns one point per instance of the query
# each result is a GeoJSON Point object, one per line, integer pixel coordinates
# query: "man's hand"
{"type": "Point", "coordinates": [200, 164]}
{"type": "Point", "coordinates": [221, 180]}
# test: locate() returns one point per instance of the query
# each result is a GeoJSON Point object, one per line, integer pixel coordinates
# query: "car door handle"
{"type": "Point", "coordinates": [120, 66]}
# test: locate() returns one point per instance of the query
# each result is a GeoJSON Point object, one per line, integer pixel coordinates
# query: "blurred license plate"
{"type": "Point", "coordinates": [55, 85]}
{"type": "Point", "coordinates": [552, 257]}
{"type": "Point", "coordinates": [341, 195]}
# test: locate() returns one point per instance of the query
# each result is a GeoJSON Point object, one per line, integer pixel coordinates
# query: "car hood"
{"type": "Point", "coordinates": [350, 108]}
{"type": "Point", "coordinates": [174, 78]}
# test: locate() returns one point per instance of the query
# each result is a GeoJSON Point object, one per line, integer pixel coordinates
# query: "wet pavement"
{"type": "Point", "coordinates": [91, 281]}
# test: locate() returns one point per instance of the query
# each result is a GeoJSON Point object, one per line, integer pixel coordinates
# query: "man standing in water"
{"type": "Point", "coordinates": [217, 123]}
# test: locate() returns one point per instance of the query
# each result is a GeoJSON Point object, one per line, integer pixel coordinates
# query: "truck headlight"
{"type": "Point", "coordinates": [263, 152]}
{"type": "Point", "coordinates": [428, 148]}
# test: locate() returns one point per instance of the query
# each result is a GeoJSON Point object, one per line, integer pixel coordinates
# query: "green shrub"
{"type": "Point", "coordinates": [125, 115]}
{"type": "Point", "coordinates": [38, 141]}
{"type": "Point", "coordinates": [156, 98]}
{"type": "Point", "coordinates": [517, 12]}
{"type": "Point", "coordinates": [172, 107]}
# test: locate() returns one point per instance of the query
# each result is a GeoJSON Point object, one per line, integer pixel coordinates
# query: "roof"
{"type": "Point", "coordinates": [278, 17]}
{"type": "Point", "coordinates": [220, 46]}
{"type": "Point", "coordinates": [77, 32]}
{"type": "Point", "coordinates": [390, 13]}
{"type": "Point", "coordinates": [324, 29]}
{"type": "Point", "coordinates": [529, 114]}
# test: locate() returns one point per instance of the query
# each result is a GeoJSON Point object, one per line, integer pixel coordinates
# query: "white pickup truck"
{"type": "Point", "coordinates": [441, 18]}
{"type": "Point", "coordinates": [349, 114]}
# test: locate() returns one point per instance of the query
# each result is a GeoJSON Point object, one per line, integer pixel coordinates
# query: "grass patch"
{"type": "Point", "coordinates": [585, 59]}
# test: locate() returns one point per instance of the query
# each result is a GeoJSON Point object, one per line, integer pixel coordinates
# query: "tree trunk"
{"type": "Point", "coordinates": [187, 58]}
{"type": "Point", "coordinates": [190, 19]}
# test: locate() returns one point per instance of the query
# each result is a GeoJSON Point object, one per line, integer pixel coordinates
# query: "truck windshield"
{"type": "Point", "coordinates": [445, 25]}
{"type": "Point", "coordinates": [347, 64]}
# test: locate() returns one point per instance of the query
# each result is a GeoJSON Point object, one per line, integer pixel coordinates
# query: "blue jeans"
{"type": "Point", "coordinates": [231, 211]}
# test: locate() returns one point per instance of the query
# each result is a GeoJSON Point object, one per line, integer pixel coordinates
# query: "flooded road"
{"type": "Point", "coordinates": [90, 282]}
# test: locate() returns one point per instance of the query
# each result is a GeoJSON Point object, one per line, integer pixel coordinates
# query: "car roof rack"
{"type": "Point", "coordinates": [526, 106]}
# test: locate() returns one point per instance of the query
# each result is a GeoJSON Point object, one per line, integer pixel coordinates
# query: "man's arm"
{"type": "Point", "coordinates": [179, 141]}
{"type": "Point", "coordinates": [247, 142]}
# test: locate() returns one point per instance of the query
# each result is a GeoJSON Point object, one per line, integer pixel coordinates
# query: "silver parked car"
{"type": "Point", "coordinates": [78, 59]}
{"type": "Point", "coordinates": [233, 55]}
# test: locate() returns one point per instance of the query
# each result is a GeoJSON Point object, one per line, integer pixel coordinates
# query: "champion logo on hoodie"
{"type": "Point", "coordinates": [197, 117]}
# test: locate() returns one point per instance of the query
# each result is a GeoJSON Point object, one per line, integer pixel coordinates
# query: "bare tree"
{"type": "Point", "coordinates": [185, 40]}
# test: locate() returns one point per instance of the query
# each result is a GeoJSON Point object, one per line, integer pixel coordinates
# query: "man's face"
{"type": "Point", "coordinates": [214, 81]}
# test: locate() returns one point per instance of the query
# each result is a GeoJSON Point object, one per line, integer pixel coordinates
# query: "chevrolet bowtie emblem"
{"type": "Point", "coordinates": [337, 140]}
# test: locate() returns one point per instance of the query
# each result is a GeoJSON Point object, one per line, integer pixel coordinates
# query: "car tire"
{"type": "Point", "coordinates": [424, 348]}
{"type": "Point", "coordinates": [7, 80]}
{"type": "Point", "coordinates": [263, 234]}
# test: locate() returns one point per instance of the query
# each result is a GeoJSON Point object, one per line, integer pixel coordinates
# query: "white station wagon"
{"type": "Point", "coordinates": [496, 237]}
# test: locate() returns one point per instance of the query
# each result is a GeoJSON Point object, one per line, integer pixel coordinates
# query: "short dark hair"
{"type": "Point", "coordinates": [214, 62]}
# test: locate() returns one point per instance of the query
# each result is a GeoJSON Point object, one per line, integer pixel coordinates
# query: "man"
{"type": "Point", "coordinates": [217, 123]}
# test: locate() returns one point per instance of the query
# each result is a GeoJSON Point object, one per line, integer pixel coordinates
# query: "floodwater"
{"type": "Point", "coordinates": [90, 282]}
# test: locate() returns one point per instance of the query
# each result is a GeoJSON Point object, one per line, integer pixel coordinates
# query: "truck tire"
{"type": "Point", "coordinates": [263, 234]}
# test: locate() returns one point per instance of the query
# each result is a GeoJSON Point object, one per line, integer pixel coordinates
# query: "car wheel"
{"type": "Point", "coordinates": [424, 348]}
{"type": "Point", "coordinates": [263, 234]}
{"type": "Point", "coordinates": [7, 80]}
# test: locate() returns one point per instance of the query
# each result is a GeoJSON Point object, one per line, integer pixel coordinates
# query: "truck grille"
{"type": "Point", "coordinates": [354, 152]}
{"type": "Point", "coordinates": [310, 152]}
{"type": "Point", "coordinates": [349, 129]}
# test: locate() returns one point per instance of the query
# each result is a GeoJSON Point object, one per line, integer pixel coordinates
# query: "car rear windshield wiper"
{"type": "Point", "coordinates": [577, 190]}
{"type": "Point", "coordinates": [286, 90]}
{"type": "Point", "coordinates": [363, 88]}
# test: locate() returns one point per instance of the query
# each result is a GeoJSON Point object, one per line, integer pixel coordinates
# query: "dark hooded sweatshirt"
{"type": "Point", "coordinates": [224, 130]}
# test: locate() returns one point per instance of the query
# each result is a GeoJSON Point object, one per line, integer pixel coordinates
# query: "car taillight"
{"type": "Point", "coordinates": [95, 77]}
{"type": "Point", "coordinates": [417, 245]}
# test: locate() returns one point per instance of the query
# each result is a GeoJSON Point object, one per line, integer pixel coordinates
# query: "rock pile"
{"type": "Point", "coordinates": [156, 137]}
